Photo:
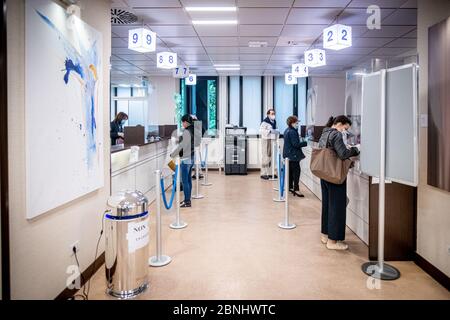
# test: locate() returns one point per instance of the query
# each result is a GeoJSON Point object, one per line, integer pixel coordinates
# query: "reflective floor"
{"type": "Point", "coordinates": [233, 249]}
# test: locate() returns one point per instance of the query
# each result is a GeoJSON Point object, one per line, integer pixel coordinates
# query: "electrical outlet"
{"type": "Point", "coordinates": [75, 245]}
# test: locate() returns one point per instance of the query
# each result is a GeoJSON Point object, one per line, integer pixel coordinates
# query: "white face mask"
{"type": "Point", "coordinates": [271, 117]}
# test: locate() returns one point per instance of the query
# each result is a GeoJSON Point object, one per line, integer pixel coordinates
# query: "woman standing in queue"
{"type": "Point", "coordinates": [186, 151]}
{"type": "Point", "coordinates": [116, 127]}
{"type": "Point", "coordinates": [293, 151]}
{"type": "Point", "coordinates": [334, 196]}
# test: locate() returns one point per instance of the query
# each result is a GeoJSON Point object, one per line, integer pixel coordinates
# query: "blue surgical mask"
{"type": "Point", "coordinates": [122, 122]}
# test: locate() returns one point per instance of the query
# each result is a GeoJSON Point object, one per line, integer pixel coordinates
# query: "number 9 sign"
{"type": "Point", "coordinates": [166, 60]}
{"type": "Point", "coordinates": [142, 40]}
{"type": "Point", "coordinates": [191, 80]}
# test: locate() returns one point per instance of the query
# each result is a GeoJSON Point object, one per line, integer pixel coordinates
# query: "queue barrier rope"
{"type": "Point", "coordinates": [174, 187]}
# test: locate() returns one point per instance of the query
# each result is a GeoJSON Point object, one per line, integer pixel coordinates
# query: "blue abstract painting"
{"type": "Point", "coordinates": [64, 107]}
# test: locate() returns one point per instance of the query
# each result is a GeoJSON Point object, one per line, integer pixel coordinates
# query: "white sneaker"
{"type": "Point", "coordinates": [324, 238]}
{"type": "Point", "coordinates": [338, 245]}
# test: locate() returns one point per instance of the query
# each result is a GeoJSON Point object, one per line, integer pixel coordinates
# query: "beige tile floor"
{"type": "Point", "coordinates": [233, 249]}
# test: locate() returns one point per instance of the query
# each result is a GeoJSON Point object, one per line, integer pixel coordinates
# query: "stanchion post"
{"type": "Point", "coordinates": [197, 195]}
{"type": "Point", "coordinates": [205, 181]}
{"type": "Point", "coordinates": [272, 178]}
{"type": "Point", "coordinates": [159, 260]}
{"type": "Point", "coordinates": [286, 224]}
{"type": "Point", "coordinates": [178, 224]}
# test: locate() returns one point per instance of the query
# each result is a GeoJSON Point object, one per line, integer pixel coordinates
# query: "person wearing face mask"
{"type": "Point", "coordinates": [268, 131]}
{"type": "Point", "coordinates": [334, 196]}
{"type": "Point", "coordinates": [293, 151]}
{"type": "Point", "coordinates": [116, 128]}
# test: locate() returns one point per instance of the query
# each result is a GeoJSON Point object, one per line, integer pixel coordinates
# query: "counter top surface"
{"type": "Point", "coordinates": [122, 147]}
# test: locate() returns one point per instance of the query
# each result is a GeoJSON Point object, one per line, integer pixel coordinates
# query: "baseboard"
{"type": "Point", "coordinates": [434, 272]}
{"type": "Point", "coordinates": [86, 275]}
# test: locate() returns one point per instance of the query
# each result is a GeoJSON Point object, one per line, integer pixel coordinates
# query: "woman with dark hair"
{"type": "Point", "coordinates": [293, 151]}
{"type": "Point", "coordinates": [334, 196]}
{"type": "Point", "coordinates": [116, 127]}
{"type": "Point", "coordinates": [186, 151]}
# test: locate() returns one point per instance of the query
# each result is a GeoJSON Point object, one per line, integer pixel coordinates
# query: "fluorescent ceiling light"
{"type": "Point", "coordinates": [211, 9]}
{"type": "Point", "coordinates": [214, 22]}
{"type": "Point", "coordinates": [227, 65]}
{"type": "Point", "coordinates": [228, 69]}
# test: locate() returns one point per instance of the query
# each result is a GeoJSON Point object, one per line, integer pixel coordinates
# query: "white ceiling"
{"type": "Point", "coordinates": [273, 21]}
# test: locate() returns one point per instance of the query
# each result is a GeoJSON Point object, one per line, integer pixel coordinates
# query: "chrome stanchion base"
{"type": "Point", "coordinates": [389, 272]}
{"type": "Point", "coordinates": [207, 184]}
{"type": "Point", "coordinates": [290, 226]}
{"type": "Point", "coordinates": [198, 196]}
{"type": "Point", "coordinates": [180, 225]}
{"type": "Point", "coordinates": [279, 199]}
{"type": "Point", "coordinates": [155, 262]}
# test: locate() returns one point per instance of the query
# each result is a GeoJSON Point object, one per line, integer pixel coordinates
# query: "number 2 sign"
{"type": "Point", "coordinates": [166, 60]}
{"type": "Point", "coordinates": [181, 72]}
{"type": "Point", "coordinates": [337, 37]}
{"type": "Point", "coordinates": [142, 40]}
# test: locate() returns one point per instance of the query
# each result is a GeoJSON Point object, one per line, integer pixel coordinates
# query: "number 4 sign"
{"type": "Point", "coordinates": [337, 37]}
{"type": "Point", "coordinates": [142, 40]}
{"type": "Point", "coordinates": [299, 70]}
{"type": "Point", "coordinates": [181, 72]}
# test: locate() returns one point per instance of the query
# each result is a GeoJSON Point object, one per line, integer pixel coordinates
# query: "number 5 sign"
{"type": "Point", "coordinates": [166, 60]}
{"type": "Point", "coordinates": [181, 72]}
{"type": "Point", "coordinates": [289, 78]}
{"type": "Point", "coordinates": [142, 40]}
{"type": "Point", "coordinates": [337, 37]}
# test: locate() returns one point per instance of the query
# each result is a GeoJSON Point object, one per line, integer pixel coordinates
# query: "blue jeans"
{"type": "Point", "coordinates": [186, 178]}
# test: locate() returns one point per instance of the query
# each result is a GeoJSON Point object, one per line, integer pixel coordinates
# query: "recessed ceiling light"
{"type": "Point", "coordinates": [210, 8]}
{"type": "Point", "coordinates": [226, 65]}
{"type": "Point", "coordinates": [228, 69]}
{"type": "Point", "coordinates": [214, 22]}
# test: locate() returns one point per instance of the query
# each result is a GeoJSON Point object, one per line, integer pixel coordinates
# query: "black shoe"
{"type": "Point", "coordinates": [296, 194]}
{"type": "Point", "coordinates": [265, 177]}
{"type": "Point", "coordinates": [186, 204]}
{"type": "Point", "coordinates": [274, 177]}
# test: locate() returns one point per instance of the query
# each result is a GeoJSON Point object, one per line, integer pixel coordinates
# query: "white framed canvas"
{"type": "Point", "coordinates": [63, 107]}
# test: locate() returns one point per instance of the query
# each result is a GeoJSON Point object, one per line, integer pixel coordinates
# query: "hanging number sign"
{"type": "Point", "coordinates": [337, 37]}
{"type": "Point", "coordinates": [142, 40]}
{"type": "Point", "coordinates": [289, 78]}
{"type": "Point", "coordinates": [181, 72]}
{"type": "Point", "coordinates": [299, 70]}
{"type": "Point", "coordinates": [166, 60]}
{"type": "Point", "coordinates": [191, 80]}
{"type": "Point", "coordinates": [315, 58]}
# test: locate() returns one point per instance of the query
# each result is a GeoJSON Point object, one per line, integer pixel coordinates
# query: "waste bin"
{"type": "Point", "coordinates": [127, 233]}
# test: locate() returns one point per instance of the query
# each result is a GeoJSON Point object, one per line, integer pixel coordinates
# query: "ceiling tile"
{"type": "Point", "coordinates": [182, 42]}
{"type": "Point", "coordinates": [262, 15]}
{"type": "Point", "coordinates": [265, 3]}
{"type": "Point", "coordinates": [224, 57]}
{"type": "Point", "coordinates": [217, 31]}
{"type": "Point", "coordinates": [285, 57]}
{"type": "Point", "coordinates": [412, 34]}
{"type": "Point", "coordinates": [381, 3]}
{"type": "Point", "coordinates": [163, 16]}
{"type": "Point", "coordinates": [261, 30]}
{"type": "Point", "coordinates": [188, 50]}
{"type": "Point", "coordinates": [289, 50]}
{"type": "Point", "coordinates": [220, 42]}
{"type": "Point", "coordinates": [263, 50]}
{"type": "Point", "coordinates": [390, 51]}
{"type": "Point", "coordinates": [321, 3]}
{"type": "Point", "coordinates": [301, 41]}
{"type": "Point", "coordinates": [197, 63]}
{"type": "Point", "coordinates": [173, 31]}
{"type": "Point", "coordinates": [119, 43]}
{"type": "Point", "coordinates": [403, 43]}
{"type": "Point", "coordinates": [351, 50]}
{"type": "Point", "coordinates": [154, 3]}
{"type": "Point", "coordinates": [271, 41]}
{"type": "Point", "coordinates": [401, 17]}
{"type": "Point", "coordinates": [129, 68]}
{"type": "Point", "coordinates": [389, 31]}
{"type": "Point", "coordinates": [307, 31]}
{"type": "Point", "coordinates": [195, 57]}
{"type": "Point", "coordinates": [312, 15]}
{"type": "Point", "coordinates": [144, 63]}
{"type": "Point", "coordinates": [134, 57]}
{"type": "Point", "coordinates": [410, 4]}
{"type": "Point", "coordinates": [209, 3]}
{"type": "Point", "coordinates": [124, 51]}
{"type": "Point", "coordinates": [261, 57]}
{"type": "Point", "coordinates": [352, 16]}
{"type": "Point", "coordinates": [118, 63]}
{"type": "Point", "coordinates": [222, 50]}
{"type": "Point", "coordinates": [253, 63]}
{"type": "Point", "coordinates": [370, 42]}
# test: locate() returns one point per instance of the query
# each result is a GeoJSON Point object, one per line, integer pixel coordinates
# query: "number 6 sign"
{"type": "Point", "coordinates": [191, 80]}
{"type": "Point", "coordinates": [142, 40]}
{"type": "Point", "coordinates": [166, 60]}
{"type": "Point", "coordinates": [337, 37]}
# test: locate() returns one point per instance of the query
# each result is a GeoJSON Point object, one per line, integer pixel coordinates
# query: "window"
{"type": "Point", "coordinates": [133, 101]}
{"type": "Point", "coordinates": [245, 102]}
{"type": "Point", "coordinates": [201, 101]}
{"type": "Point", "coordinates": [289, 100]}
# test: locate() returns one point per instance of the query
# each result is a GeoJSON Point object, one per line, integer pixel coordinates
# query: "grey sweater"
{"type": "Point", "coordinates": [336, 143]}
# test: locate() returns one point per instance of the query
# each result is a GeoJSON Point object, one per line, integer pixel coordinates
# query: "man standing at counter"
{"type": "Point", "coordinates": [268, 131]}
{"type": "Point", "coordinates": [116, 128]}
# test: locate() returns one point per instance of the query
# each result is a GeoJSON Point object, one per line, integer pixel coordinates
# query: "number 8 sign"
{"type": "Point", "coordinates": [166, 60]}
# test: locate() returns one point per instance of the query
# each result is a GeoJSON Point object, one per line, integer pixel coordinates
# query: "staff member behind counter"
{"type": "Point", "coordinates": [267, 130]}
{"type": "Point", "coordinates": [116, 128]}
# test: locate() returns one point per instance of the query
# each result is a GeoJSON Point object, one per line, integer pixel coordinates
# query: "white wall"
{"type": "Point", "coordinates": [40, 248]}
{"type": "Point", "coordinates": [330, 98]}
{"type": "Point", "coordinates": [433, 214]}
{"type": "Point", "coordinates": [161, 102]}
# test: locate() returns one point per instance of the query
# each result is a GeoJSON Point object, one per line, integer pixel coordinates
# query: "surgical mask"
{"type": "Point", "coordinates": [272, 117]}
{"type": "Point", "coordinates": [123, 122]}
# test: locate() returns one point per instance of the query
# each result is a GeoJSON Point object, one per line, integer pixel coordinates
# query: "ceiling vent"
{"type": "Point", "coordinates": [294, 43]}
{"type": "Point", "coordinates": [122, 16]}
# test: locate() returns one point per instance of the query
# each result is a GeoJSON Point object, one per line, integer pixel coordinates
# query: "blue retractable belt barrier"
{"type": "Point", "coordinates": [281, 172]}
{"type": "Point", "coordinates": [203, 162]}
{"type": "Point", "coordinates": [174, 187]}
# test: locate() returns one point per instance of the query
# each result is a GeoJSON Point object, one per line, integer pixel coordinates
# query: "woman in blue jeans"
{"type": "Point", "coordinates": [185, 150]}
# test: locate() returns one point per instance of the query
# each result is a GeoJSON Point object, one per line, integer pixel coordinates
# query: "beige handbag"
{"type": "Point", "coordinates": [326, 165]}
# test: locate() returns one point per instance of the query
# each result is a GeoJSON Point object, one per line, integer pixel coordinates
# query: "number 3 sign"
{"type": "Point", "coordinates": [142, 40]}
{"type": "Point", "coordinates": [337, 37]}
{"type": "Point", "coordinates": [166, 60]}
{"type": "Point", "coordinates": [315, 58]}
